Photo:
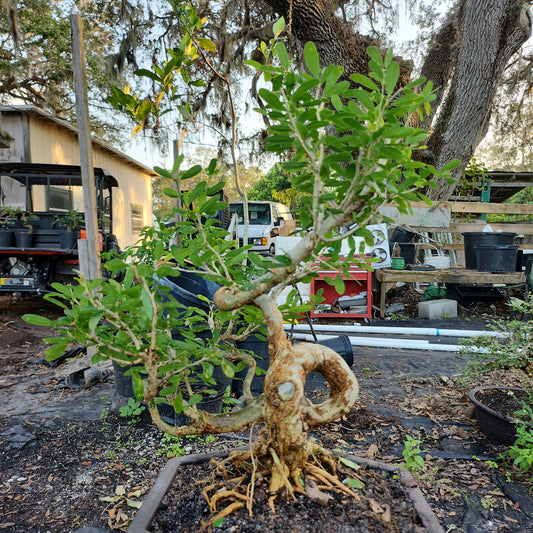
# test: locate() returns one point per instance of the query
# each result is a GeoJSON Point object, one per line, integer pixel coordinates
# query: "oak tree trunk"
{"type": "Point", "coordinates": [465, 61]}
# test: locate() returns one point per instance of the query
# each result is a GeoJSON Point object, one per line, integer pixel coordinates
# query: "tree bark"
{"type": "Point", "coordinates": [487, 34]}
{"type": "Point", "coordinates": [465, 62]}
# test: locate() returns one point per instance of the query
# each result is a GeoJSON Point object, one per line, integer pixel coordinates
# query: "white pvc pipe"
{"type": "Point", "coordinates": [392, 343]}
{"type": "Point", "coordinates": [355, 328]}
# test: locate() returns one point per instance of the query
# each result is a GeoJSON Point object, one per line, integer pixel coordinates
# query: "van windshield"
{"type": "Point", "coordinates": [259, 213]}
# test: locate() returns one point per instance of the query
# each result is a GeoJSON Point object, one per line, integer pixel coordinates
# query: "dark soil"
{"type": "Point", "coordinates": [67, 460]}
{"type": "Point", "coordinates": [505, 402]}
{"type": "Point", "coordinates": [383, 505]}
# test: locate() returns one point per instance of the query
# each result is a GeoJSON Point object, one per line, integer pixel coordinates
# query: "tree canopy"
{"type": "Point", "coordinates": [466, 58]}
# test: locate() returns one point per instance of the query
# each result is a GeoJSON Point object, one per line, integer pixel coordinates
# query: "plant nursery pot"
{"type": "Point", "coordinates": [68, 239]}
{"type": "Point", "coordinates": [124, 389]}
{"type": "Point", "coordinates": [23, 239]}
{"type": "Point", "coordinates": [494, 411]}
{"type": "Point", "coordinates": [161, 510]}
{"type": "Point", "coordinates": [6, 238]}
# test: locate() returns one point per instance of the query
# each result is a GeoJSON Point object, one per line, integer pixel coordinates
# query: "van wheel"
{"type": "Point", "coordinates": [272, 250]}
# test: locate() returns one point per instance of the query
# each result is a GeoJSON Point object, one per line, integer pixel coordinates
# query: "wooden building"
{"type": "Point", "coordinates": [42, 138]}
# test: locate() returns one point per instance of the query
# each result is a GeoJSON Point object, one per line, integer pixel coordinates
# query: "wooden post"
{"type": "Point", "coordinates": [86, 156]}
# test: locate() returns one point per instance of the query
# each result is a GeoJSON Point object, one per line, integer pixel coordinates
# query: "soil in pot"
{"type": "Point", "coordinates": [383, 505]}
{"type": "Point", "coordinates": [495, 411]}
{"type": "Point", "coordinates": [504, 400]}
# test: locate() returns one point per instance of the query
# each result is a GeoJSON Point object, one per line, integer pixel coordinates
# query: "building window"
{"type": "Point", "coordinates": [136, 218]}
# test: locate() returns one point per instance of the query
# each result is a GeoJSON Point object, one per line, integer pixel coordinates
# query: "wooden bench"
{"type": "Point", "coordinates": [452, 275]}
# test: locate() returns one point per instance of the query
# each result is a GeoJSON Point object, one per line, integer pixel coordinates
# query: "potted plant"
{"type": "Point", "coordinates": [8, 220]}
{"type": "Point", "coordinates": [504, 357]}
{"type": "Point", "coordinates": [495, 411]}
{"type": "Point", "coordinates": [343, 179]}
{"type": "Point", "coordinates": [70, 223]}
{"type": "Point", "coordinates": [24, 237]}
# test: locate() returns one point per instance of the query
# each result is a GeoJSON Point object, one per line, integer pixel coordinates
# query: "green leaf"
{"type": "Point", "coordinates": [178, 403]}
{"type": "Point", "coordinates": [198, 191]}
{"type": "Point", "coordinates": [195, 398]}
{"type": "Point", "coordinates": [349, 463]}
{"type": "Point", "coordinates": [391, 77]}
{"type": "Point", "coordinates": [278, 27]}
{"type": "Point", "coordinates": [271, 99]}
{"type": "Point", "coordinates": [281, 52]}
{"type": "Point", "coordinates": [354, 483]}
{"type": "Point", "coordinates": [37, 320]}
{"type": "Point", "coordinates": [374, 54]}
{"type": "Point", "coordinates": [311, 59]}
{"type": "Point", "coordinates": [207, 44]}
{"type": "Point", "coordinates": [451, 165]}
{"type": "Point", "coordinates": [336, 89]}
{"type": "Point", "coordinates": [218, 522]}
{"type": "Point", "coordinates": [147, 74]}
{"type": "Point", "coordinates": [147, 303]}
{"type": "Point", "coordinates": [339, 285]}
{"type": "Point", "coordinates": [171, 193]}
{"type": "Point", "coordinates": [163, 172]}
{"type": "Point", "coordinates": [364, 81]}
{"type": "Point", "coordinates": [228, 369]}
{"type": "Point", "coordinates": [138, 386]}
{"type": "Point", "coordinates": [56, 351]}
{"type": "Point", "coordinates": [116, 264]}
{"type": "Point", "coordinates": [193, 171]}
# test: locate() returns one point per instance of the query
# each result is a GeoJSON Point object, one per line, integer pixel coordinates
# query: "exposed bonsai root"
{"type": "Point", "coordinates": [241, 480]}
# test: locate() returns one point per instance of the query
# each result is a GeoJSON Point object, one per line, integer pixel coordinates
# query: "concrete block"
{"type": "Point", "coordinates": [433, 309]}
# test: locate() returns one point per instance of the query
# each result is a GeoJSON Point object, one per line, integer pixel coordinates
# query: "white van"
{"type": "Point", "coordinates": [267, 221]}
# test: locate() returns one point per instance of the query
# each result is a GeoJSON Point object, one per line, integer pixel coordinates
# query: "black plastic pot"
{"type": "Point", "coordinates": [23, 239]}
{"type": "Point", "coordinates": [186, 287]}
{"type": "Point", "coordinates": [401, 235]}
{"type": "Point", "coordinates": [123, 383]}
{"type": "Point", "coordinates": [496, 258]}
{"type": "Point", "coordinates": [211, 404]}
{"type": "Point", "coordinates": [68, 239]}
{"type": "Point", "coordinates": [6, 238]}
{"type": "Point", "coordinates": [154, 499]}
{"type": "Point", "coordinates": [483, 238]}
{"type": "Point", "coordinates": [259, 347]}
{"type": "Point", "coordinates": [497, 426]}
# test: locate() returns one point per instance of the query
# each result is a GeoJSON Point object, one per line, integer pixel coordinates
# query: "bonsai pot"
{"type": "Point", "coordinates": [157, 501]}
{"type": "Point", "coordinates": [68, 239]}
{"type": "Point", "coordinates": [6, 238]}
{"type": "Point", "coordinates": [495, 408]}
{"type": "Point", "coordinates": [23, 238]}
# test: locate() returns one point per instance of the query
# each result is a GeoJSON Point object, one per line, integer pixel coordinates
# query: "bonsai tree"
{"type": "Point", "coordinates": [7, 212]}
{"type": "Point", "coordinates": [71, 220]}
{"type": "Point", "coordinates": [349, 152]}
{"type": "Point", "coordinates": [27, 219]}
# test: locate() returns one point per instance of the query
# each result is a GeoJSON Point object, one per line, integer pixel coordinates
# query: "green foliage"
{"type": "Point", "coordinates": [167, 75]}
{"type": "Point", "coordinates": [276, 185]}
{"type": "Point", "coordinates": [171, 447]}
{"type": "Point", "coordinates": [71, 219]}
{"type": "Point", "coordinates": [132, 410]}
{"type": "Point", "coordinates": [413, 461]}
{"type": "Point", "coordinates": [521, 452]}
{"type": "Point", "coordinates": [7, 212]}
{"type": "Point", "coordinates": [511, 347]}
